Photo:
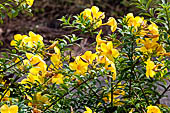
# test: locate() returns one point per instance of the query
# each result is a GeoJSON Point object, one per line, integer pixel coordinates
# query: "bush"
{"type": "Point", "coordinates": [121, 76]}
{"type": "Point", "coordinates": [11, 8]}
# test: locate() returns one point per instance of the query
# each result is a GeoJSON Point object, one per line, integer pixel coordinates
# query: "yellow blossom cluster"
{"type": "Point", "coordinates": [32, 40]}
{"type": "Point", "coordinates": [105, 54]}
{"type": "Point", "coordinates": [141, 28]}
{"type": "Point", "coordinates": [148, 42]}
{"type": "Point", "coordinates": [150, 46]}
{"type": "Point", "coordinates": [6, 109]}
{"type": "Point", "coordinates": [153, 109]}
{"type": "Point", "coordinates": [95, 16]}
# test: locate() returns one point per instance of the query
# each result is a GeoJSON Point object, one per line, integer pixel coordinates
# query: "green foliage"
{"type": "Point", "coordinates": [122, 75]}
{"type": "Point", "coordinates": [11, 8]}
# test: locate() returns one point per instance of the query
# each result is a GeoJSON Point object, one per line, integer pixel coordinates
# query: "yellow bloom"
{"type": "Point", "coordinates": [36, 38]}
{"type": "Point", "coordinates": [134, 21]}
{"type": "Point", "coordinates": [89, 57]}
{"type": "Point", "coordinates": [30, 2]}
{"type": "Point", "coordinates": [112, 22]}
{"type": "Point", "coordinates": [88, 110]}
{"type": "Point", "coordinates": [42, 99]}
{"type": "Point", "coordinates": [153, 31]}
{"type": "Point", "coordinates": [79, 65]}
{"type": "Point", "coordinates": [37, 62]}
{"type": "Point", "coordinates": [131, 111]}
{"type": "Point", "coordinates": [58, 79]}
{"type": "Point", "coordinates": [153, 109]}
{"type": "Point", "coordinates": [116, 94]}
{"type": "Point", "coordinates": [30, 41]}
{"type": "Point", "coordinates": [11, 109]}
{"type": "Point", "coordinates": [138, 23]}
{"type": "Point", "coordinates": [99, 41]}
{"type": "Point", "coordinates": [6, 97]}
{"type": "Point", "coordinates": [17, 38]}
{"type": "Point", "coordinates": [160, 50]}
{"type": "Point", "coordinates": [149, 45]}
{"type": "Point", "coordinates": [56, 59]}
{"type": "Point", "coordinates": [150, 65]}
{"type": "Point", "coordinates": [109, 65]}
{"type": "Point", "coordinates": [109, 51]}
{"type": "Point", "coordinates": [94, 15]}
{"type": "Point", "coordinates": [32, 78]}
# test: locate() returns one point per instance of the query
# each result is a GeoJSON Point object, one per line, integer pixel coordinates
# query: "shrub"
{"type": "Point", "coordinates": [122, 75]}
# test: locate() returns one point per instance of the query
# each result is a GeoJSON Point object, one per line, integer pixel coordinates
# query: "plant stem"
{"type": "Point", "coordinates": [97, 97]}
{"type": "Point", "coordinates": [162, 94]}
{"type": "Point", "coordinates": [111, 92]}
{"type": "Point", "coordinates": [67, 93]}
{"type": "Point", "coordinates": [144, 95]}
{"type": "Point", "coordinates": [12, 65]}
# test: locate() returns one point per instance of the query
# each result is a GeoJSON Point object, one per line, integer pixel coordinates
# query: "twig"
{"type": "Point", "coordinates": [97, 97]}
{"type": "Point", "coordinates": [12, 65]}
{"type": "Point", "coordinates": [67, 93]}
{"type": "Point", "coordinates": [162, 94]}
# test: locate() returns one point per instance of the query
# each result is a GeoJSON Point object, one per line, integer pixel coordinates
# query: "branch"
{"type": "Point", "coordinates": [67, 93]}
{"type": "Point", "coordinates": [162, 94]}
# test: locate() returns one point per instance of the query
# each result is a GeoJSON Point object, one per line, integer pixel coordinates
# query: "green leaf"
{"type": "Point", "coordinates": [148, 4]}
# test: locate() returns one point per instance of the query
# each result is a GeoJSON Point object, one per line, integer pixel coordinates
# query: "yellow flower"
{"type": "Point", "coordinates": [6, 97]}
{"type": "Point", "coordinates": [138, 23]}
{"type": "Point", "coordinates": [109, 65]}
{"type": "Point", "coordinates": [30, 2]}
{"type": "Point", "coordinates": [30, 41]}
{"type": "Point", "coordinates": [56, 59]}
{"type": "Point", "coordinates": [32, 78]}
{"type": "Point", "coordinates": [109, 51]}
{"type": "Point", "coordinates": [38, 64]}
{"type": "Point", "coordinates": [131, 111]}
{"type": "Point", "coordinates": [17, 38]}
{"type": "Point", "coordinates": [112, 22]}
{"type": "Point", "coordinates": [42, 99]}
{"type": "Point", "coordinates": [11, 109]}
{"type": "Point", "coordinates": [153, 109]}
{"type": "Point", "coordinates": [149, 45]}
{"type": "Point", "coordinates": [79, 65]}
{"type": "Point", "coordinates": [153, 31]}
{"type": "Point", "coordinates": [134, 21]}
{"type": "Point", "coordinates": [36, 38]}
{"type": "Point", "coordinates": [160, 50]}
{"type": "Point", "coordinates": [99, 41]}
{"type": "Point", "coordinates": [150, 65]}
{"type": "Point", "coordinates": [58, 79]}
{"type": "Point", "coordinates": [116, 94]}
{"type": "Point", "coordinates": [94, 15]}
{"type": "Point", "coordinates": [89, 57]}
{"type": "Point", "coordinates": [88, 110]}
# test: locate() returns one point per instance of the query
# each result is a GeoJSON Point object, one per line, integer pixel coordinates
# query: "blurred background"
{"type": "Point", "coordinates": [46, 12]}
